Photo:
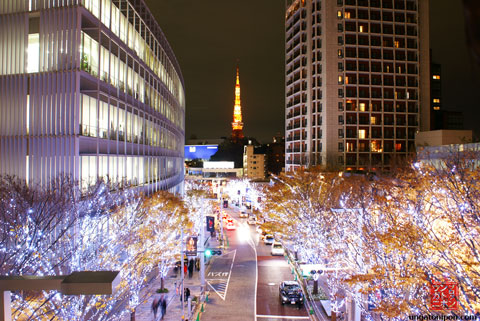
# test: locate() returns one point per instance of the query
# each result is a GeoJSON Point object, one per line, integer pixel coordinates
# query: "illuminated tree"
{"type": "Point", "coordinates": [386, 238]}
{"type": "Point", "coordinates": [60, 230]}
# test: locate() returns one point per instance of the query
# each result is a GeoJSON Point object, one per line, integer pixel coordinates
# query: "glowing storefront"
{"type": "Point", "coordinates": [92, 89]}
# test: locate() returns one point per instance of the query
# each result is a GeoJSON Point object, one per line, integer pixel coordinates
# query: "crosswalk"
{"type": "Point", "coordinates": [219, 286]}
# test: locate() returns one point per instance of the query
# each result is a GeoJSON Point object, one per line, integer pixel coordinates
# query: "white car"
{"type": "Point", "coordinates": [243, 214]}
{"type": "Point", "coordinates": [252, 220]}
{"type": "Point", "coordinates": [277, 249]}
{"type": "Point", "coordinates": [268, 239]}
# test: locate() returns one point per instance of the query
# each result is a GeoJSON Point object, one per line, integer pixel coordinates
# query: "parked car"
{"type": "Point", "coordinates": [243, 214]}
{"type": "Point", "coordinates": [252, 220]}
{"type": "Point", "coordinates": [268, 239]}
{"type": "Point", "coordinates": [277, 249]}
{"type": "Point", "coordinates": [290, 292]}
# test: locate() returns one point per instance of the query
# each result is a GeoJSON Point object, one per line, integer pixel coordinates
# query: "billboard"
{"type": "Point", "coordinates": [203, 152]}
{"type": "Point", "coordinates": [191, 249]}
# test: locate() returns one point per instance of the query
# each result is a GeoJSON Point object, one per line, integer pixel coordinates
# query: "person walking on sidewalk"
{"type": "Point", "coordinates": [187, 294]}
{"type": "Point", "coordinates": [190, 268]}
{"type": "Point", "coordinates": [163, 306]}
{"type": "Point", "coordinates": [155, 304]}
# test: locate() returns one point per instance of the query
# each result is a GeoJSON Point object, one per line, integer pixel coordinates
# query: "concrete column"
{"type": "Point", "coordinates": [5, 301]}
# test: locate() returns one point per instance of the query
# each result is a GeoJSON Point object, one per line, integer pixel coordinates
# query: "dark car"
{"type": "Point", "coordinates": [291, 293]}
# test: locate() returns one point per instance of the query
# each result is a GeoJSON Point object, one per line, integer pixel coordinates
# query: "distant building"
{"type": "Point", "coordinates": [442, 137]}
{"type": "Point", "coordinates": [205, 141]}
{"type": "Point", "coordinates": [200, 152]}
{"type": "Point", "coordinates": [438, 155]}
{"type": "Point", "coordinates": [275, 155]}
{"type": "Point", "coordinates": [447, 119]}
{"type": "Point", "coordinates": [215, 170]}
{"type": "Point", "coordinates": [254, 166]}
{"type": "Point", "coordinates": [441, 118]}
{"type": "Point", "coordinates": [436, 86]}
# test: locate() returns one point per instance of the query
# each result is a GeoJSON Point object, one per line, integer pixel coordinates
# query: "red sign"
{"type": "Point", "coordinates": [444, 295]}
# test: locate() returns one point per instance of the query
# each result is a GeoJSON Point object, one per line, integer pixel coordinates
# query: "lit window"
{"type": "Point", "coordinates": [436, 77]}
{"type": "Point", "coordinates": [346, 80]}
{"type": "Point", "coordinates": [33, 53]}
{"type": "Point", "coordinates": [398, 147]}
{"type": "Point", "coordinates": [339, 14]}
{"type": "Point", "coordinates": [361, 28]}
{"type": "Point", "coordinates": [373, 120]}
{"type": "Point", "coordinates": [362, 133]}
{"type": "Point", "coordinates": [350, 147]}
{"type": "Point", "coordinates": [436, 100]}
{"type": "Point", "coordinates": [362, 106]}
{"type": "Point", "coordinates": [340, 80]}
{"type": "Point", "coordinates": [347, 15]}
{"type": "Point", "coordinates": [397, 44]}
{"type": "Point", "coordinates": [376, 146]}
{"type": "Point", "coordinates": [436, 107]}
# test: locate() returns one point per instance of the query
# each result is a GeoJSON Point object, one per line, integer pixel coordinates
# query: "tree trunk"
{"type": "Point", "coordinates": [161, 283]}
{"type": "Point", "coordinates": [315, 287]}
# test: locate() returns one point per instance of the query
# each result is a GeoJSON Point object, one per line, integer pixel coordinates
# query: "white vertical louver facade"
{"type": "Point", "coordinates": [91, 89]}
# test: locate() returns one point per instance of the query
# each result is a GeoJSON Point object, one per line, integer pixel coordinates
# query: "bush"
{"type": "Point", "coordinates": [321, 294]}
{"type": "Point", "coordinates": [164, 290]}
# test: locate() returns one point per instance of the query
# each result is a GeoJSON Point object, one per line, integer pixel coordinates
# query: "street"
{"type": "Point", "coordinates": [244, 280]}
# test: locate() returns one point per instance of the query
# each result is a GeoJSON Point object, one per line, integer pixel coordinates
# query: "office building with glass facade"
{"type": "Point", "coordinates": [357, 82]}
{"type": "Point", "coordinates": [91, 89]}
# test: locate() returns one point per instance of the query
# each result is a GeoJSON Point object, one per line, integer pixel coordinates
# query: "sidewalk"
{"type": "Point", "coordinates": [174, 307]}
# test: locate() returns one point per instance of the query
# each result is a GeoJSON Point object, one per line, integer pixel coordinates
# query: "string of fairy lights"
{"type": "Point", "coordinates": [105, 229]}
{"type": "Point", "coordinates": [385, 239]}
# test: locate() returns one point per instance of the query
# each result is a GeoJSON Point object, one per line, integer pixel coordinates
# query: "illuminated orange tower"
{"type": "Point", "coordinates": [237, 124]}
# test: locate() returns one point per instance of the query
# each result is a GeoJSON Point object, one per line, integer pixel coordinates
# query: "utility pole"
{"type": "Point", "coordinates": [202, 250]}
{"type": "Point", "coordinates": [183, 278]}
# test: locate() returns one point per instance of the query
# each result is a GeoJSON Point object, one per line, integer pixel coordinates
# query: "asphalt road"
{"type": "Point", "coordinates": [237, 291]}
{"type": "Point", "coordinates": [231, 281]}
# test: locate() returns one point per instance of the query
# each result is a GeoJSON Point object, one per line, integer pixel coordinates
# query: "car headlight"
{"type": "Point", "coordinates": [284, 298]}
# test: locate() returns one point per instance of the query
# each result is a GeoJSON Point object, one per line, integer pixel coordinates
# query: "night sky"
{"type": "Point", "coordinates": [210, 36]}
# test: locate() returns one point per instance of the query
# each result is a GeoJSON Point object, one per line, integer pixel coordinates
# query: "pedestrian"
{"type": "Point", "coordinates": [197, 264]}
{"type": "Point", "coordinates": [155, 307]}
{"type": "Point", "coordinates": [190, 268]}
{"type": "Point", "coordinates": [187, 294]}
{"type": "Point", "coordinates": [164, 307]}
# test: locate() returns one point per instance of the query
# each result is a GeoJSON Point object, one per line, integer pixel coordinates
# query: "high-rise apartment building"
{"type": "Point", "coordinates": [91, 89]}
{"type": "Point", "coordinates": [357, 82]}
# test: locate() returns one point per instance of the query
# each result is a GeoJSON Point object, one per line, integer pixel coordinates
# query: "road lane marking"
{"type": "Point", "coordinates": [256, 280]}
{"type": "Point", "coordinates": [218, 274]}
{"type": "Point", "coordinates": [220, 286]}
{"type": "Point", "coordinates": [282, 317]}
{"type": "Point", "coordinates": [230, 274]}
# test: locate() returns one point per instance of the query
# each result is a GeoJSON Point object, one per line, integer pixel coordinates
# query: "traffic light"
{"type": "Point", "coordinates": [210, 252]}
